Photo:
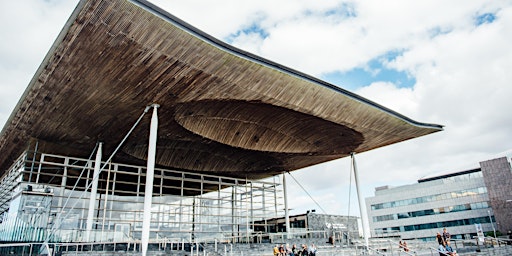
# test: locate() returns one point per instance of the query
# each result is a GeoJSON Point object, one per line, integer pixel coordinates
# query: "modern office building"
{"type": "Point", "coordinates": [456, 201]}
{"type": "Point", "coordinates": [80, 161]}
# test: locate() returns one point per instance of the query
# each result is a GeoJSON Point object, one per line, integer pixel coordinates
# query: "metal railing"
{"type": "Point", "coordinates": [497, 241]}
{"type": "Point", "coordinates": [475, 244]}
{"type": "Point", "coordinates": [432, 250]}
{"type": "Point", "coordinates": [401, 249]}
{"type": "Point", "coordinates": [227, 247]}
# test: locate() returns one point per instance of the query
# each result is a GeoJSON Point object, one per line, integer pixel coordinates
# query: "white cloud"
{"type": "Point", "coordinates": [461, 71]}
{"type": "Point", "coordinates": [29, 29]}
{"type": "Point", "coordinates": [388, 94]}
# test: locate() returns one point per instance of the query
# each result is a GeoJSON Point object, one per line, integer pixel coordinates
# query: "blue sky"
{"type": "Point", "coordinates": [433, 61]}
{"type": "Point", "coordinates": [485, 18]}
{"type": "Point", "coordinates": [373, 71]}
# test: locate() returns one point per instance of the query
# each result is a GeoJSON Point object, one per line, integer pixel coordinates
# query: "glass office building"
{"type": "Point", "coordinates": [456, 201]}
{"type": "Point", "coordinates": [47, 197]}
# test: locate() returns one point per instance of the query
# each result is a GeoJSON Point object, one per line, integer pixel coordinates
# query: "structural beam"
{"type": "Point", "coordinates": [362, 210]}
{"type": "Point", "coordinates": [286, 213]}
{"type": "Point", "coordinates": [150, 174]}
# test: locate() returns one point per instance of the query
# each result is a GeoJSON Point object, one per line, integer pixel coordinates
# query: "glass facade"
{"type": "Point", "coordinates": [446, 224]}
{"type": "Point", "coordinates": [434, 226]}
{"type": "Point", "coordinates": [464, 177]}
{"type": "Point", "coordinates": [455, 208]}
{"type": "Point", "coordinates": [48, 196]}
{"type": "Point", "coordinates": [430, 198]}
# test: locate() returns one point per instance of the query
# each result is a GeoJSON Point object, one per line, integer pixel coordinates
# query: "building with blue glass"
{"type": "Point", "coordinates": [456, 201]}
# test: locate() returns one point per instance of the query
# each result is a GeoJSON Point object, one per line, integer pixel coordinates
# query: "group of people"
{"type": "Point", "coordinates": [403, 246]}
{"type": "Point", "coordinates": [282, 250]}
{"type": "Point", "coordinates": [444, 244]}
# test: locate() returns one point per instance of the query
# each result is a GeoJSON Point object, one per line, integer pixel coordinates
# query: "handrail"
{"type": "Point", "coordinates": [205, 249]}
{"type": "Point", "coordinates": [410, 252]}
{"type": "Point", "coordinates": [498, 240]}
{"type": "Point", "coordinates": [369, 248]}
{"type": "Point", "coordinates": [438, 251]}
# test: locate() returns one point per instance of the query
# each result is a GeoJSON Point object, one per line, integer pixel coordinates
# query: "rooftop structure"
{"type": "Point", "coordinates": [222, 110]}
{"type": "Point", "coordinates": [225, 118]}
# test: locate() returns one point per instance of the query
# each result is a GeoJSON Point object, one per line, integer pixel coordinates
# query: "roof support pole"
{"type": "Point", "coordinates": [286, 213]}
{"type": "Point", "coordinates": [234, 213]}
{"type": "Point", "coordinates": [150, 175]}
{"type": "Point", "coordinates": [362, 210]}
{"type": "Point", "coordinates": [94, 191]}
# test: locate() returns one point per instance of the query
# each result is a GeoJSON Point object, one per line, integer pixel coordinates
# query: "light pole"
{"type": "Point", "coordinates": [492, 224]}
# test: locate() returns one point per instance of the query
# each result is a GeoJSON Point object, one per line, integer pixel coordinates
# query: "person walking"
{"type": "Point", "coordinates": [446, 235]}
{"type": "Point", "coordinates": [439, 238]}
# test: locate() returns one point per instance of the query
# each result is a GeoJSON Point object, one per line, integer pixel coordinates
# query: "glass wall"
{"type": "Point", "coordinates": [49, 195]}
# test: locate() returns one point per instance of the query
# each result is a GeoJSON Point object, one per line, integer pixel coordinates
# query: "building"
{"type": "Point", "coordinates": [457, 201]}
{"type": "Point", "coordinates": [313, 225]}
{"type": "Point", "coordinates": [48, 196]}
{"type": "Point", "coordinates": [80, 161]}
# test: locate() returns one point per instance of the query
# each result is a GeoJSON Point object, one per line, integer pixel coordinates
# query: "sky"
{"type": "Point", "coordinates": [442, 62]}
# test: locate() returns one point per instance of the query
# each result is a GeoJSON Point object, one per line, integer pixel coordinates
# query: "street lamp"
{"type": "Point", "coordinates": [492, 224]}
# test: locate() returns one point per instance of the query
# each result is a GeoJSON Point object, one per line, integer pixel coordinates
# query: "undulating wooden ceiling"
{"type": "Point", "coordinates": [223, 111]}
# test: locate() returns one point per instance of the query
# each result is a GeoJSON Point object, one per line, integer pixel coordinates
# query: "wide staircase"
{"type": "Point", "coordinates": [265, 249]}
{"type": "Point", "coordinates": [491, 246]}
{"type": "Point", "coordinates": [379, 246]}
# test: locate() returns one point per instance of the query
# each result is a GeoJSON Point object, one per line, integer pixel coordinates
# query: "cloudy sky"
{"type": "Point", "coordinates": [443, 62]}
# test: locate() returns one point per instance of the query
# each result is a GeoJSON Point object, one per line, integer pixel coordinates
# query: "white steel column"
{"type": "Point", "coordinates": [150, 174]}
{"type": "Point", "coordinates": [286, 213]}
{"type": "Point", "coordinates": [233, 213]}
{"type": "Point", "coordinates": [94, 191]}
{"type": "Point", "coordinates": [362, 209]}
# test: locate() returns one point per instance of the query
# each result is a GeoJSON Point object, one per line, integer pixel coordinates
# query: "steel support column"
{"type": "Point", "coordinates": [94, 191]}
{"type": "Point", "coordinates": [150, 174]}
{"type": "Point", "coordinates": [286, 213]}
{"type": "Point", "coordinates": [362, 210]}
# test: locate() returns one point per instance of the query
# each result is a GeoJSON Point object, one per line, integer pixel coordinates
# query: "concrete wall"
{"type": "Point", "coordinates": [498, 180]}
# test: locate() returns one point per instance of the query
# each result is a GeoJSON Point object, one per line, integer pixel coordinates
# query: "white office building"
{"type": "Point", "coordinates": [457, 201]}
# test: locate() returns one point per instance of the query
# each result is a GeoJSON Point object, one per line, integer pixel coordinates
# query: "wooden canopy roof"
{"type": "Point", "coordinates": [223, 111]}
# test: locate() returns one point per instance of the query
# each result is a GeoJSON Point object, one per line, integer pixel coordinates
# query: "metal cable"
{"type": "Point", "coordinates": [78, 179]}
{"type": "Point", "coordinates": [308, 193]}
{"type": "Point", "coordinates": [52, 231]}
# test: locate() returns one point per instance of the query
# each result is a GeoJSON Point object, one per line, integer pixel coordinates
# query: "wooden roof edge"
{"type": "Point", "coordinates": [213, 41]}
{"type": "Point", "coordinates": [271, 64]}
{"type": "Point", "coordinates": [43, 64]}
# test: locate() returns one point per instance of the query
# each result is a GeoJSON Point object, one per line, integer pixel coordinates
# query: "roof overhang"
{"type": "Point", "coordinates": [223, 110]}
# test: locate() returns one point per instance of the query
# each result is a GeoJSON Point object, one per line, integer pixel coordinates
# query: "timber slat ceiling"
{"type": "Point", "coordinates": [222, 111]}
